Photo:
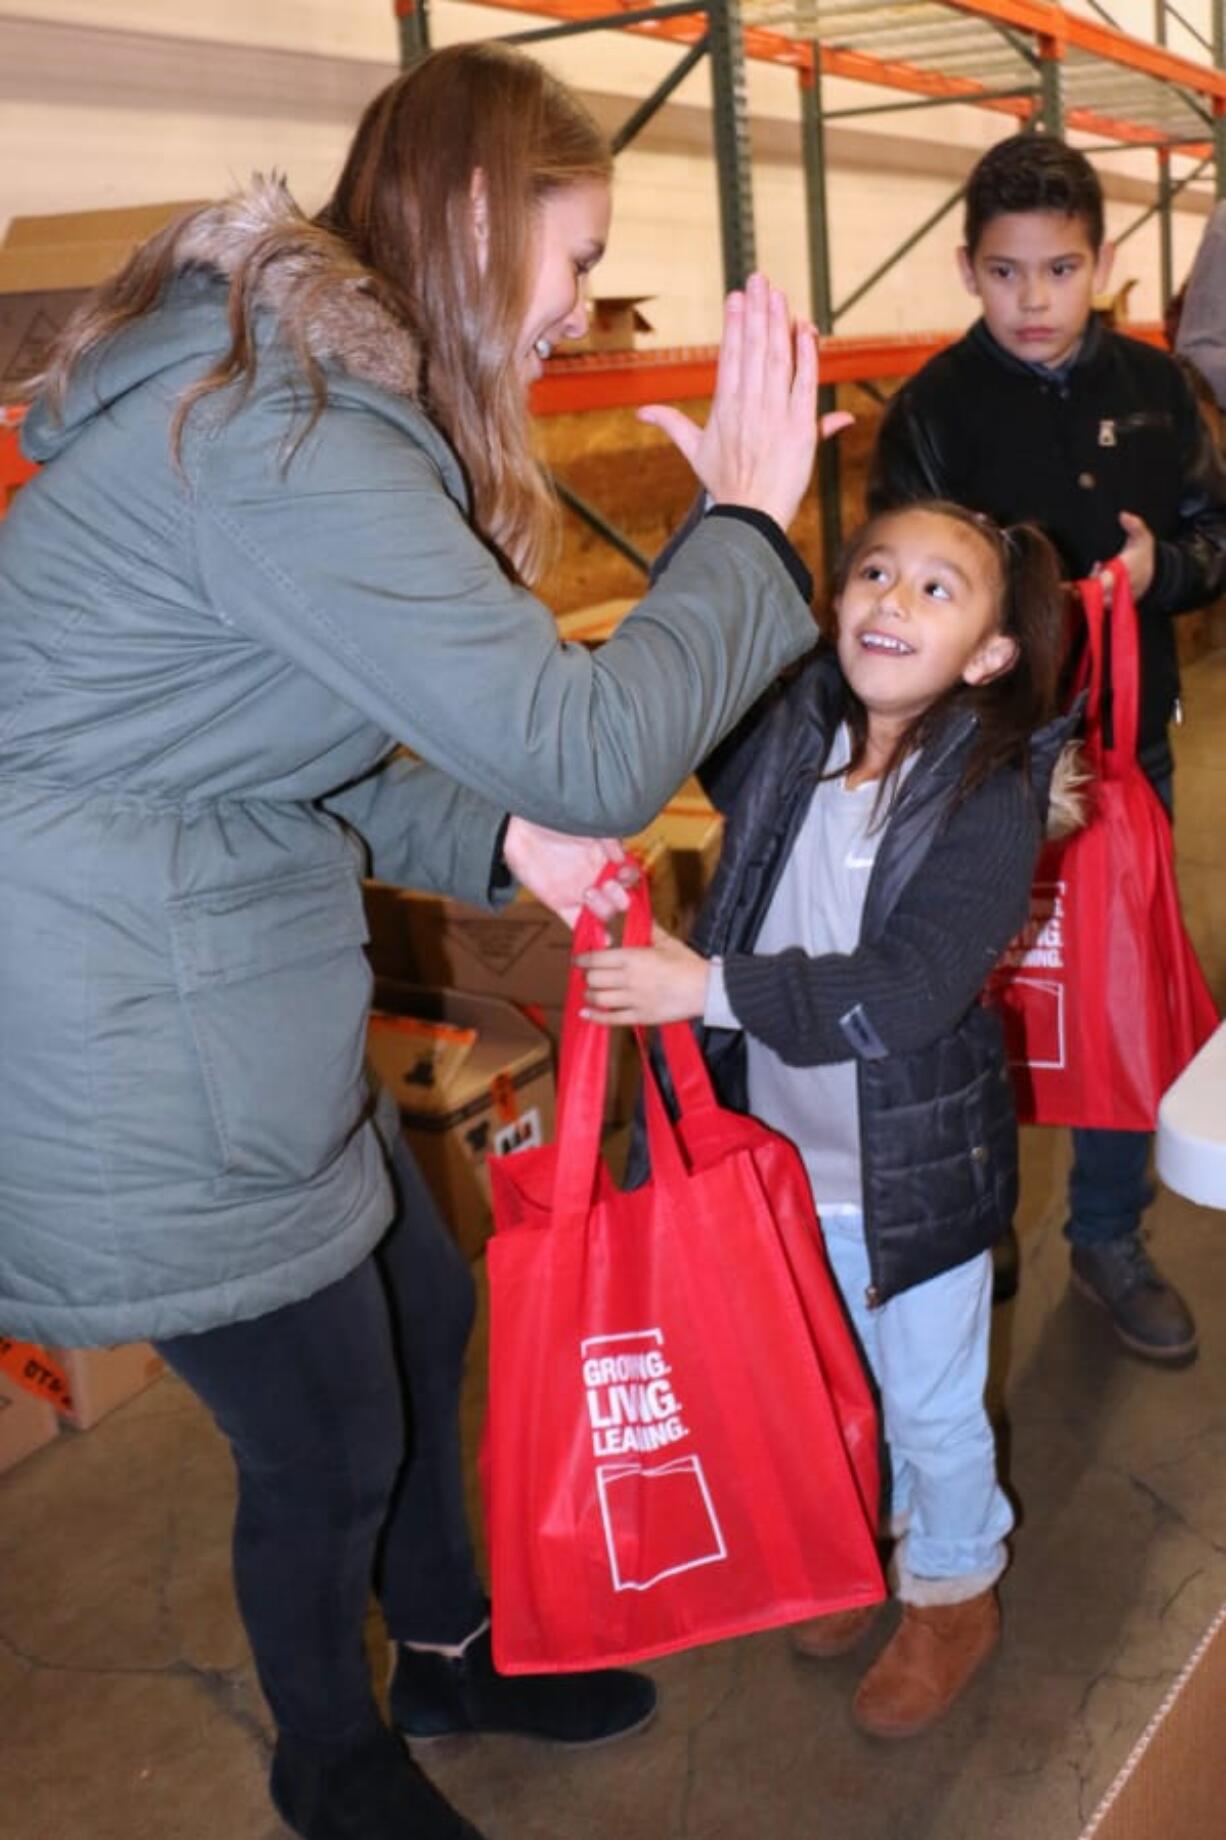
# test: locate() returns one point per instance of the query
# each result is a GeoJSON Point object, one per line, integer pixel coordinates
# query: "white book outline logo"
{"type": "Point", "coordinates": [1051, 988]}
{"type": "Point", "coordinates": [609, 1473]}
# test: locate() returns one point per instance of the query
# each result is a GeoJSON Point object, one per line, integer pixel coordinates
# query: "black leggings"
{"type": "Point", "coordinates": [315, 1399]}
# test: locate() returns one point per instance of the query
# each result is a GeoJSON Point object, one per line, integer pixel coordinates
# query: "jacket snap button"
{"type": "Point", "coordinates": [979, 1154]}
{"type": "Point", "coordinates": [1087, 480]}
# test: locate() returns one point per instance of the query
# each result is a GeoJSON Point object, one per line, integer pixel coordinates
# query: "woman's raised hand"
{"type": "Point", "coordinates": [759, 443]}
{"type": "Point", "coordinates": [562, 871]}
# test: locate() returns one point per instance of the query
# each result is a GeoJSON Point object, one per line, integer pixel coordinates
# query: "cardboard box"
{"type": "Point", "coordinates": [613, 323]}
{"type": "Point", "coordinates": [99, 1379]}
{"type": "Point", "coordinates": [1174, 1783]}
{"type": "Point", "coordinates": [26, 1423]}
{"type": "Point", "coordinates": [49, 264]}
{"type": "Point", "coordinates": [472, 1078]}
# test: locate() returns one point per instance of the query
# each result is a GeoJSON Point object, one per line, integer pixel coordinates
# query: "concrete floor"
{"type": "Point", "coordinates": [128, 1710]}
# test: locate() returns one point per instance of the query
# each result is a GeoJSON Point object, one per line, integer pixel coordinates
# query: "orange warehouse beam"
{"type": "Point", "coordinates": [628, 379]}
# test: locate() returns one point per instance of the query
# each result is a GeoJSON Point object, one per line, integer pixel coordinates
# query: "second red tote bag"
{"type": "Point", "coordinates": [1103, 1000]}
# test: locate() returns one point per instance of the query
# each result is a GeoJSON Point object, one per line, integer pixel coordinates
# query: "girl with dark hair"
{"type": "Point", "coordinates": [884, 811]}
{"type": "Point", "coordinates": [263, 628]}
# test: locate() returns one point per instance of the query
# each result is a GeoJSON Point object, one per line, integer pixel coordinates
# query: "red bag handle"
{"type": "Point", "coordinates": [584, 1067]}
{"type": "Point", "coordinates": [1121, 619]}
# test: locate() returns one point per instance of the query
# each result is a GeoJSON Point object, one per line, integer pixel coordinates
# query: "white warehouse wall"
{"type": "Point", "coordinates": [108, 102]}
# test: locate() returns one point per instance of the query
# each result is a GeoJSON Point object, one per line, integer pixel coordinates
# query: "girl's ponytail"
{"type": "Point", "coordinates": [1033, 614]}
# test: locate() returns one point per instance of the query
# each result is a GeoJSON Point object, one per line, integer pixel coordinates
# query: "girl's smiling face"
{"type": "Point", "coordinates": [920, 612]}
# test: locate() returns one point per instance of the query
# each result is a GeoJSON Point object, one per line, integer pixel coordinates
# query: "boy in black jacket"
{"type": "Point", "coordinates": [1039, 414]}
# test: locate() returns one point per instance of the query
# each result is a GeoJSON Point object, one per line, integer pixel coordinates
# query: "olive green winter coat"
{"type": "Point", "coordinates": [203, 675]}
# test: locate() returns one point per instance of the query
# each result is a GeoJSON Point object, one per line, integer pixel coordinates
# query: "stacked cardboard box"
{"type": "Point", "coordinates": [99, 1379]}
{"type": "Point", "coordinates": [26, 1423]}
{"type": "Point", "coordinates": [81, 1384]}
{"type": "Point", "coordinates": [49, 264]}
{"type": "Point", "coordinates": [472, 1078]}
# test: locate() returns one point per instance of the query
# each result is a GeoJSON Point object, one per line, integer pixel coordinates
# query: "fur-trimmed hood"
{"type": "Point", "coordinates": [306, 276]}
{"type": "Point", "coordinates": [309, 271]}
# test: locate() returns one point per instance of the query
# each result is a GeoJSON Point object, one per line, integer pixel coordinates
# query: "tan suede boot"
{"type": "Point", "coordinates": [823, 1637]}
{"type": "Point", "coordinates": [930, 1658]}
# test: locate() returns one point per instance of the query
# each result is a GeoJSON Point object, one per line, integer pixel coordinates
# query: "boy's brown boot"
{"type": "Point", "coordinates": [931, 1656]}
{"type": "Point", "coordinates": [824, 1637]}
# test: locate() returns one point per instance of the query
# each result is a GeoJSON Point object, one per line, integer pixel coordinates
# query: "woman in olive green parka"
{"type": "Point", "coordinates": [285, 507]}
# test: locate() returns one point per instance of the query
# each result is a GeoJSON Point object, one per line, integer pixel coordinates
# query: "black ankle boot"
{"type": "Point", "coordinates": [437, 1696]}
{"type": "Point", "coordinates": [365, 1789]}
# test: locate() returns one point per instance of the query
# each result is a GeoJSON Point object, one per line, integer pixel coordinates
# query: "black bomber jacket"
{"type": "Point", "coordinates": [1119, 431]}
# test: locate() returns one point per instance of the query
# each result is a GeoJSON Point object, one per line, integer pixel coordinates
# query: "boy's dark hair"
{"type": "Point", "coordinates": [1011, 706]}
{"type": "Point", "coordinates": [1033, 172]}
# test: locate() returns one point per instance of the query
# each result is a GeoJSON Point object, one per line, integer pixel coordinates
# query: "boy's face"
{"type": "Point", "coordinates": [1036, 274]}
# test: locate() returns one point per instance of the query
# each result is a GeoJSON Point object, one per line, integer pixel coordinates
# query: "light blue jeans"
{"type": "Point", "coordinates": [928, 1352]}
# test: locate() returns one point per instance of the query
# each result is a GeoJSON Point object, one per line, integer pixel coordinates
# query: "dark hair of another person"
{"type": "Point", "coordinates": [1025, 570]}
{"type": "Point", "coordinates": [1033, 172]}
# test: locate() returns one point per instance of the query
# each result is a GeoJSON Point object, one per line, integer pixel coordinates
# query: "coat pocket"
{"type": "Point", "coordinates": [277, 988]}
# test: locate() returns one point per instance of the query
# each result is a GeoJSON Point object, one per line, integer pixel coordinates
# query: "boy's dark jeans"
{"type": "Point", "coordinates": [1108, 1185]}
{"type": "Point", "coordinates": [320, 1401]}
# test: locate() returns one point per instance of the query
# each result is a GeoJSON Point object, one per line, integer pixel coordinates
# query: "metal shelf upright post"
{"type": "Point", "coordinates": [821, 297]}
{"type": "Point", "coordinates": [1166, 229]}
{"type": "Point", "coordinates": [1219, 102]}
{"type": "Point", "coordinates": [730, 102]}
{"type": "Point", "coordinates": [412, 30]}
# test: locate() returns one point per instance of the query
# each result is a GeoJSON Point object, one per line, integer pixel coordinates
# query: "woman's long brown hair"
{"type": "Point", "coordinates": [400, 224]}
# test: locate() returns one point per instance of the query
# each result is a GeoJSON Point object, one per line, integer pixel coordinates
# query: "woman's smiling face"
{"type": "Point", "coordinates": [572, 228]}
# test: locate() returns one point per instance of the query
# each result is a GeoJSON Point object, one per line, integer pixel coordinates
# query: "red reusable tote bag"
{"type": "Point", "coordinates": [681, 1444]}
{"type": "Point", "coordinates": [1103, 1000]}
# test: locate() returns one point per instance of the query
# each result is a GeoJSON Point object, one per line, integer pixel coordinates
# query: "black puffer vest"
{"type": "Point", "coordinates": [938, 1130]}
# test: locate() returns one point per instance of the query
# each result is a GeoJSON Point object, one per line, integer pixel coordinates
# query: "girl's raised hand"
{"type": "Point", "coordinates": [759, 443]}
{"type": "Point", "coordinates": [662, 982]}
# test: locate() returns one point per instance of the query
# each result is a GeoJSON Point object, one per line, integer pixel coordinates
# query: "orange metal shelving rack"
{"type": "Point", "coordinates": [1155, 99]}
